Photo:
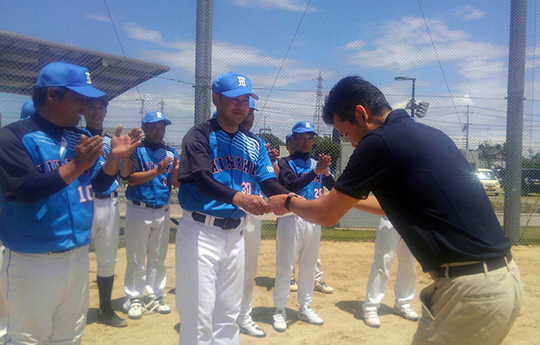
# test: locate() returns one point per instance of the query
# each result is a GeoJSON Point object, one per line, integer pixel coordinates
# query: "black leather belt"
{"type": "Point", "coordinates": [138, 203]}
{"type": "Point", "coordinates": [477, 267]}
{"type": "Point", "coordinates": [224, 223]}
{"type": "Point", "coordinates": [106, 196]}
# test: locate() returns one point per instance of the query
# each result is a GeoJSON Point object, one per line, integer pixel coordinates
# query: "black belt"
{"type": "Point", "coordinates": [138, 203]}
{"type": "Point", "coordinates": [224, 223]}
{"type": "Point", "coordinates": [477, 267]}
{"type": "Point", "coordinates": [106, 196]}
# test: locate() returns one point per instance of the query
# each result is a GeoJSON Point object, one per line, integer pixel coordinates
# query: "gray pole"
{"type": "Point", "coordinates": [203, 61]}
{"type": "Point", "coordinates": [467, 137]}
{"type": "Point", "coordinates": [413, 101]}
{"type": "Point", "coordinates": [514, 119]}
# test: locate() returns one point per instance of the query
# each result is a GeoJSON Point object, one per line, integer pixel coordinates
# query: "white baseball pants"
{"type": "Point", "coordinates": [47, 296]}
{"type": "Point", "coordinates": [106, 235]}
{"type": "Point", "coordinates": [147, 238]}
{"type": "Point", "coordinates": [387, 243]}
{"type": "Point", "coordinates": [296, 237]}
{"type": "Point", "coordinates": [252, 240]}
{"type": "Point", "coordinates": [209, 281]}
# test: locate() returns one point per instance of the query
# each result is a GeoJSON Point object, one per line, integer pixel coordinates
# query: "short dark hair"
{"type": "Point", "coordinates": [102, 99]}
{"type": "Point", "coordinates": [350, 92]}
{"type": "Point", "coordinates": [40, 95]}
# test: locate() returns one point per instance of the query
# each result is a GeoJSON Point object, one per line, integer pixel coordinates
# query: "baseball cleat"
{"type": "Point", "coordinates": [371, 319]}
{"type": "Point", "coordinates": [157, 305]}
{"type": "Point", "coordinates": [252, 329]}
{"type": "Point", "coordinates": [322, 287]}
{"type": "Point", "coordinates": [110, 318]}
{"type": "Point", "coordinates": [406, 312]}
{"type": "Point", "coordinates": [135, 309]}
{"type": "Point", "coordinates": [308, 315]}
{"type": "Point", "coordinates": [280, 320]}
{"type": "Point", "coordinates": [294, 285]}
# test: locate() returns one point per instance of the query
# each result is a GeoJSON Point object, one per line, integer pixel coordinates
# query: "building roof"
{"type": "Point", "coordinates": [22, 57]}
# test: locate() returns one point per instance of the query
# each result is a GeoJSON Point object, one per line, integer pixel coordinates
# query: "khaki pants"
{"type": "Point", "coordinates": [473, 309]}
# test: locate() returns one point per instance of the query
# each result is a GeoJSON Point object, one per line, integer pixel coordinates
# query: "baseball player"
{"type": "Point", "coordinates": [48, 169]}
{"type": "Point", "coordinates": [428, 191]}
{"type": "Point", "coordinates": [153, 169]}
{"type": "Point", "coordinates": [106, 223]}
{"type": "Point", "coordinates": [252, 240]}
{"type": "Point", "coordinates": [296, 237]}
{"type": "Point", "coordinates": [388, 243]}
{"type": "Point", "coordinates": [221, 165]}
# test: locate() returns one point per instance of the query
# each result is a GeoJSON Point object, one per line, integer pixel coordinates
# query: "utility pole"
{"type": "Point", "coordinates": [317, 116]}
{"type": "Point", "coordinates": [162, 106]}
{"type": "Point", "coordinates": [466, 127]}
{"type": "Point", "coordinates": [203, 61]}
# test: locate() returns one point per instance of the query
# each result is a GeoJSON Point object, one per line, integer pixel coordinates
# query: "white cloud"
{"type": "Point", "coordinates": [98, 17]}
{"type": "Point", "coordinates": [140, 33]}
{"type": "Point", "coordinates": [290, 5]}
{"type": "Point", "coordinates": [468, 13]}
{"type": "Point", "coordinates": [406, 44]}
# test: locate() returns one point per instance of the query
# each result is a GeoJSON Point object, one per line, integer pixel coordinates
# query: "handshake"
{"type": "Point", "coordinates": [257, 206]}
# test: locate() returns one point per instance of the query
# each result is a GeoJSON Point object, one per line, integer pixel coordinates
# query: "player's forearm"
{"type": "Point", "coordinates": [112, 164]}
{"type": "Point", "coordinates": [142, 177]}
{"type": "Point", "coordinates": [39, 187]}
{"type": "Point", "coordinates": [125, 169]}
{"type": "Point", "coordinates": [325, 211]}
{"type": "Point", "coordinates": [174, 178]}
{"type": "Point", "coordinates": [370, 205]}
{"type": "Point", "coordinates": [70, 172]}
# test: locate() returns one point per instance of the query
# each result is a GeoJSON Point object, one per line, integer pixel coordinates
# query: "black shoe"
{"type": "Point", "coordinates": [110, 318]}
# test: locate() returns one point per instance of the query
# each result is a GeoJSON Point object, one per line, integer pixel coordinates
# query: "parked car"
{"type": "Point", "coordinates": [530, 181]}
{"type": "Point", "coordinates": [489, 181]}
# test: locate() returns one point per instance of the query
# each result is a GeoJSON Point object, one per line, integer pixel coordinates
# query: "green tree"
{"type": "Point", "coordinates": [273, 140]}
{"type": "Point", "coordinates": [491, 154]}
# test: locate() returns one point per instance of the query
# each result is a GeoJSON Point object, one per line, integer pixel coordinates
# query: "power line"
{"type": "Point", "coordinates": [439, 62]}
{"type": "Point", "coordinates": [282, 63]}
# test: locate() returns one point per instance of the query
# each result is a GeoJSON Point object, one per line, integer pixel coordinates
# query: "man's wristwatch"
{"type": "Point", "coordinates": [288, 200]}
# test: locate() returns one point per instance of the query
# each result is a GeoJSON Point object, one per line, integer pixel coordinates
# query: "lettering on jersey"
{"type": "Point", "coordinates": [234, 163]}
{"type": "Point", "coordinates": [241, 81]}
{"type": "Point", "coordinates": [54, 164]}
{"type": "Point", "coordinates": [147, 166]}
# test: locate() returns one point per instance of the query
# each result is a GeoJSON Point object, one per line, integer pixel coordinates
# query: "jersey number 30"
{"type": "Point", "coordinates": [246, 187]}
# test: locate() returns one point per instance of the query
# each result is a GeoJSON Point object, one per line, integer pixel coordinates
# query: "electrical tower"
{"type": "Point", "coordinates": [317, 116]}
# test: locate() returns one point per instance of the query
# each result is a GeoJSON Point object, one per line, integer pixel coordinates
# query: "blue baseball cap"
{"type": "Point", "coordinates": [27, 109]}
{"type": "Point", "coordinates": [73, 77]}
{"type": "Point", "coordinates": [233, 85]}
{"type": "Point", "coordinates": [287, 138]}
{"type": "Point", "coordinates": [252, 103]}
{"type": "Point", "coordinates": [155, 116]}
{"type": "Point", "coordinates": [303, 127]}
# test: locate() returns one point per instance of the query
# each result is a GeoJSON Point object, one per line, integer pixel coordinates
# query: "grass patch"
{"type": "Point", "coordinates": [268, 231]}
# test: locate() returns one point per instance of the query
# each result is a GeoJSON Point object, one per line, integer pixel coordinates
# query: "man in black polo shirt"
{"type": "Point", "coordinates": [429, 192]}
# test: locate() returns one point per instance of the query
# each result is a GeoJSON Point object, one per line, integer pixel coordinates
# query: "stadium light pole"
{"type": "Point", "coordinates": [413, 101]}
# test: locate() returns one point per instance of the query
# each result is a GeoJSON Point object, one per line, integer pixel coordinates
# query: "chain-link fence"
{"type": "Point", "coordinates": [436, 61]}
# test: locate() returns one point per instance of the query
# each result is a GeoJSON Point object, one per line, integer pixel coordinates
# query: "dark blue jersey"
{"type": "Point", "coordinates": [158, 190]}
{"type": "Point", "coordinates": [428, 191]}
{"type": "Point", "coordinates": [60, 221]}
{"type": "Point", "coordinates": [238, 161]}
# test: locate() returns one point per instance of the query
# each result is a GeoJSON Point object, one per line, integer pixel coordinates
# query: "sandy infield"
{"type": "Point", "coordinates": [346, 267]}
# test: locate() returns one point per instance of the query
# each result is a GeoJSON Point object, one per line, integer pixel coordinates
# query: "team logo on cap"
{"type": "Point", "coordinates": [159, 116]}
{"type": "Point", "coordinates": [308, 125]}
{"type": "Point", "coordinates": [88, 81]}
{"type": "Point", "coordinates": [241, 81]}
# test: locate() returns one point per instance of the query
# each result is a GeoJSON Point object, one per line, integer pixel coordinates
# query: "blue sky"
{"type": "Point", "coordinates": [376, 39]}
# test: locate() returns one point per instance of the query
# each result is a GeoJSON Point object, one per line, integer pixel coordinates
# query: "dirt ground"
{"type": "Point", "coordinates": [346, 267]}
